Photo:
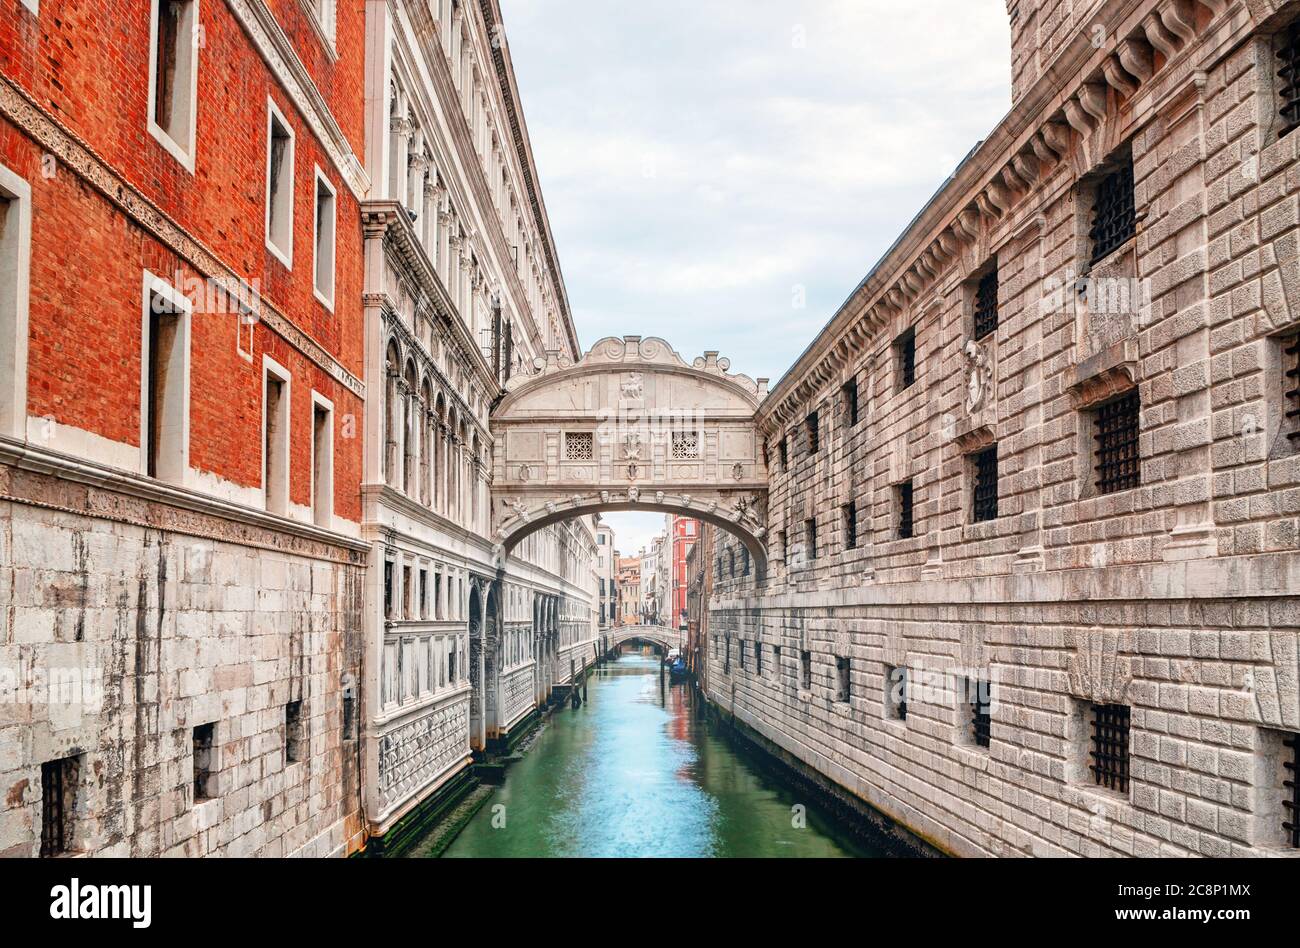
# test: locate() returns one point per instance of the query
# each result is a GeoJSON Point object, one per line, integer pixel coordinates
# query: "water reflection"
{"type": "Point", "coordinates": [636, 772]}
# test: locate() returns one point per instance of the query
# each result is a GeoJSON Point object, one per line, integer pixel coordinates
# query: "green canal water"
{"type": "Point", "coordinates": [638, 772]}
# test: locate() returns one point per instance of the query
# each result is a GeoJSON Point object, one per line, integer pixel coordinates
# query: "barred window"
{"type": "Point", "coordinates": [851, 525]}
{"type": "Point", "coordinates": [1114, 220]}
{"type": "Point", "coordinates": [1291, 385]}
{"type": "Point", "coordinates": [741, 645]}
{"type": "Point", "coordinates": [579, 446]}
{"type": "Point", "coordinates": [814, 434]}
{"type": "Point", "coordinates": [843, 678]}
{"type": "Point", "coordinates": [55, 784]}
{"type": "Point", "coordinates": [784, 449]}
{"type": "Point", "coordinates": [686, 445]}
{"type": "Point", "coordinates": [1110, 746]}
{"type": "Point", "coordinates": [905, 523]}
{"type": "Point", "coordinates": [810, 537]}
{"type": "Point", "coordinates": [980, 697]}
{"type": "Point", "coordinates": [805, 670]}
{"type": "Point", "coordinates": [1117, 424]}
{"type": "Point", "coordinates": [850, 392]}
{"type": "Point", "coordinates": [905, 352]}
{"type": "Point", "coordinates": [1291, 783]}
{"type": "Point", "coordinates": [986, 304]}
{"type": "Point", "coordinates": [758, 658]}
{"type": "Point", "coordinates": [985, 500]}
{"type": "Point", "coordinates": [896, 693]}
{"type": "Point", "coordinates": [1288, 57]}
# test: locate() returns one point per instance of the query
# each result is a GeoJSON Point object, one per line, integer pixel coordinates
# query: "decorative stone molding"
{"type": "Point", "coordinates": [1098, 667]}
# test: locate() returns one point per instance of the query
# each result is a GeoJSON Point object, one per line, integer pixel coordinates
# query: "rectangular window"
{"type": "Point", "coordinates": [579, 446]}
{"type": "Point", "coordinates": [726, 656]}
{"type": "Point", "coordinates": [295, 735]}
{"type": "Point", "coordinates": [784, 448]}
{"type": "Point", "coordinates": [843, 686]}
{"type": "Point", "coordinates": [758, 659]}
{"type": "Point", "coordinates": [388, 589]}
{"type": "Point", "coordinates": [850, 393]}
{"type": "Point", "coordinates": [785, 548]}
{"type": "Point", "coordinates": [1116, 424]}
{"type": "Point", "coordinates": [1288, 70]}
{"type": "Point", "coordinates": [740, 646]}
{"type": "Point", "coordinates": [984, 471]}
{"type": "Point", "coordinates": [165, 386]}
{"type": "Point", "coordinates": [805, 670]}
{"type": "Point", "coordinates": [173, 75]}
{"type": "Point", "coordinates": [408, 594]}
{"type": "Point", "coordinates": [986, 303]}
{"type": "Point", "coordinates": [279, 185]}
{"type": "Point", "coordinates": [1291, 387]}
{"type": "Point", "coordinates": [15, 278]}
{"type": "Point", "coordinates": [275, 442]}
{"type": "Point", "coordinates": [1110, 746]}
{"type": "Point", "coordinates": [905, 355]}
{"type": "Point", "coordinates": [205, 762]}
{"type": "Point", "coordinates": [324, 240]}
{"type": "Point", "coordinates": [851, 525]}
{"type": "Point", "coordinates": [349, 715]}
{"type": "Point", "coordinates": [903, 499]}
{"type": "Point", "coordinates": [980, 698]}
{"type": "Point", "coordinates": [810, 538]}
{"type": "Point", "coordinates": [686, 445]}
{"type": "Point", "coordinates": [58, 790]}
{"type": "Point", "coordinates": [451, 663]}
{"type": "Point", "coordinates": [1291, 787]}
{"type": "Point", "coordinates": [896, 693]}
{"type": "Point", "coordinates": [424, 594]}
{"type": "Point", "coordinates": [322, 465]}
{"type": "Point", "coordinates": [1114, 217]}
{"type": "Point", "coordinates": [814, 435]}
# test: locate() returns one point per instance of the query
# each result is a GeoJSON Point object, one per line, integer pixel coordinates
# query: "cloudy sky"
{"type": "Point", "coordinates": [722, 173]}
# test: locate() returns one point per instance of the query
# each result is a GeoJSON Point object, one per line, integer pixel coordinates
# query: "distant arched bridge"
{"type": "Point", "coordinates": [661, 635]}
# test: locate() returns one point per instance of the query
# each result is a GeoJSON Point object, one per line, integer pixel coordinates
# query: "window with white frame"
{"type": "Point", "coordinates": [279, 185]}
{"type": "Point", "coordinates": [165, 381]}
{"type": "Point", "coordinates": [173, 76]}
{"type": "Point", "coordinates": [275, 437]}
{"type": "Point", "coordinates": [323, 14]}
{"type": "Point", "coordinates": [15, 269]}
{"type": "Point", "coordinates": [324, 240]}
{"type": "Point", "coordinates": [322, 461]}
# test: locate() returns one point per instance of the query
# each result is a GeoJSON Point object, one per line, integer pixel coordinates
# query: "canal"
{"type": "Point", "coordinates": [637, 771]}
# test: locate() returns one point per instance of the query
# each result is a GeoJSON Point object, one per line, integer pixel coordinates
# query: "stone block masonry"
{"type": "Point", "coordinates": [1088, 646]}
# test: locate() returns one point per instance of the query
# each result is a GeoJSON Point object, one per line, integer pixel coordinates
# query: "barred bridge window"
{"type": "Point", "coordinates": [1118, 463]}
{"type": "Point", "coordinates": [1288, 57]}
{"type": "Point", "coordinates": [1110, 746]}
{"type": "Point", "coordinates": [1292, 785]}
{"type": "Point", "coordinates": [1114, 220]}
{"type": "Point", "coordinates": [53, 840]}
{"type": "Point", "coordinates": [986, 304]}
{"type": "Point", "coordinates": [579, 446]}
{"type": "Point", "coordinates": [986, 484]}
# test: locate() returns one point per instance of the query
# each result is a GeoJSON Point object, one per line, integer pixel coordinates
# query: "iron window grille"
{"type": "Point", "coordinates": [785, 453]}
{"type": "Point", "coordinates": [851, 401]}
{"type": "Point", "coordinates": [758, 659]}
{"type": "Point", "coordinates": [52, 838]}
{"type": "Point", "coordinates": [1291, 349]}
{"type": "Point", "coordinates": [985, 501]}
{"type": "Point", "coordinates": [686, 445]}
{"type": "Point", "coordinates": [981, 716]}
{"type": "Point", "coordinates": [814, 435]}
{"type": "Point", "coordinates": [844, 691]}
{"type": "Point", "coordinates": [1114, 215]}
{"type": "Point", "coordinates": [1110, 746]}
{"type": "Point", "coordinates": [905, 524]}
{"type": "Point", "coordinates": [1292, 784]}
{"type": "Point", "coordinates": [1289, 72]}
{"type": "Point", "coordinates": [1118, 463]}
{"type": "Point", "coordinates": [851, 525]}
{"type": "Point", "coordinates": [986, 304]}
{"type": "Point", "coordinates": [906, 348]}
{"type": "Point", "coordinates": [805, 664]}
{"type": "Point", "coordinates": [741, 645]}
{"type": "Point", "coordinates": [810, 532]}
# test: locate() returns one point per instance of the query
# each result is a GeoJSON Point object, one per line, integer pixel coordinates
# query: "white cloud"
{"type": "Point", "coordinates": [701, 160]}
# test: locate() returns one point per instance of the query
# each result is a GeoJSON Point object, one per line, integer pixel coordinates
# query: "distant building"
{"type": "Point", "coordinates": [607, 574]}
{"type": "Point", "coordinates": [629, 590]}
{"type": "Point", "coordinates": [683, 534]}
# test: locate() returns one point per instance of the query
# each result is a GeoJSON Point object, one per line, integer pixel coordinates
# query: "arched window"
{"type": "Point", "coordinates": [411, 432]}
{"type": "Point", "coordinates": [391, 414]}
{"type": "Point", "coordinates": [425, 422]}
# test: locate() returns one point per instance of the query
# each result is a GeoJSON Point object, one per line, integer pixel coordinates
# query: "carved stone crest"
{"type": "Point", "coordinates": [633, 387]}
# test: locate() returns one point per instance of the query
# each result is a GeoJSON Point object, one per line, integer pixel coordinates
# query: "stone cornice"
{"type": "Point", "coordinates": [93, 490]}
{"type": "Point", "coordinates": [274, 46]}
{"type": "Point", "coordinates": [77, 156]}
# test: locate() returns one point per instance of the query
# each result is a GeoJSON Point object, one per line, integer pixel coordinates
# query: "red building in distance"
{"type": "Point", "coordinates": [683, 533]}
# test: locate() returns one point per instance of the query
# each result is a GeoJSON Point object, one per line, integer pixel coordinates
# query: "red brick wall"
{"type": "Point", "coordinates": [87, 66]}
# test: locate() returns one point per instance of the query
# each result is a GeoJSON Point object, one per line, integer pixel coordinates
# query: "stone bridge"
{"type": "Point", "coordinates": [663, 636]}
{"type": "Point", "coordinates": [631, 426]}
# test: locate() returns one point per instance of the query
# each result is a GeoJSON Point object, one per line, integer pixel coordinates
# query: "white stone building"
{"type": "Point", "coordinates": [462, 293]}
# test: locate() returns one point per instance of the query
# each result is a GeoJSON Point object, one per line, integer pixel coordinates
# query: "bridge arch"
{"type": "Point", "coordinates": [661, 635]}
{"type": "Point", "coordinates": [631, 426]}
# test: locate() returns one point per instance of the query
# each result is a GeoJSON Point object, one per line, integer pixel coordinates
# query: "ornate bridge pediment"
{"type": "Point", "coordinates": [630, 427]}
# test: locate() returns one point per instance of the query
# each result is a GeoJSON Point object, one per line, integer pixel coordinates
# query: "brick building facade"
{"type": "Point", "coordinates": [181, 349]}
{"type": "Point", "coordinates": [1033, 511]}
